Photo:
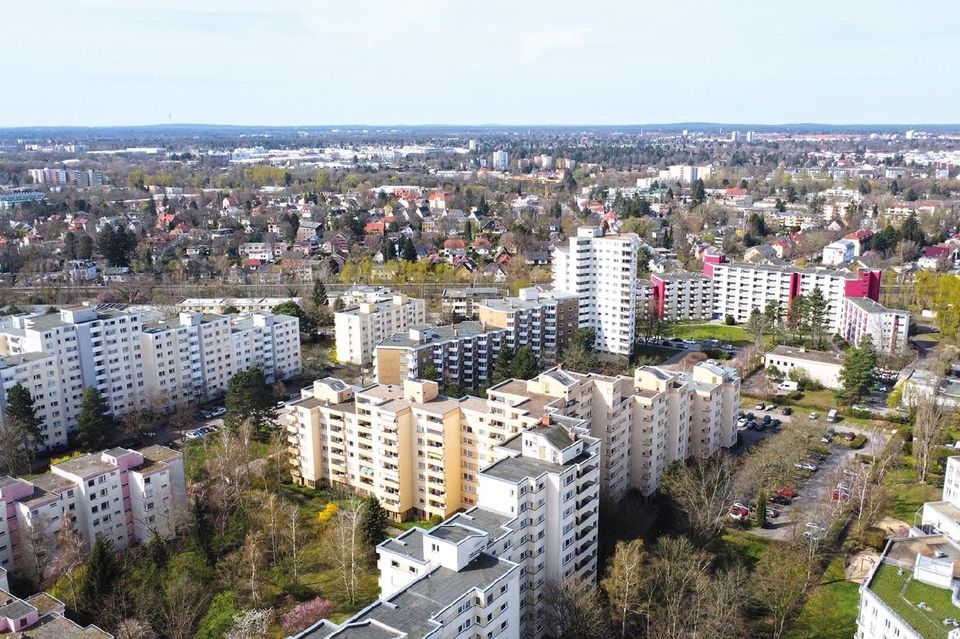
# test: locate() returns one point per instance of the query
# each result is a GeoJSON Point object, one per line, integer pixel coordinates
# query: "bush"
{"type": "Point", "coordinates": [795, 395]}
{"type": "Point", "coordinates": [303, 616]}
{"type": "Point", "coordinates": [774, 373]}
{"type": "Point", "coordinates": [857, 442]}
{"type": "Point", "coordinates": [730, 321]}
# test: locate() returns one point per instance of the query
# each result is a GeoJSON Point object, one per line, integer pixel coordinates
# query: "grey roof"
{"type": "Point", "coordinates": [409, 544]}
{"type": "Point", "coordinates": [411, 610]}
{"type": "Point", "coordinates": [786, 268]}
{"type": "Point", "coordinates": [868, 305]}
{"type": "Point", "coordinates": [822, 357]}
{"type": "Point", "coordinates": [86, 466]}
{"type": "Point", "coordinates": [16, 360]}
{"type": "Point", "coordinates": [438, 334]}
{"type": "Point", "coordinates": [516, 469]}
{"type": "Point", "coordinates": [494, 524]}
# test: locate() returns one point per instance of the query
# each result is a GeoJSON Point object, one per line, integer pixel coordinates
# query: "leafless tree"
{"type": "Point", "coordinates": [778, 585]}
{"type": "Point", "coordinates": [574, 610]}
{"type": "Point", "coordinates": [71, 553]}
{"type": "Point", "coordinates": [704, 490]}
{"type": "Point", "coordinates": [623, 585]}
{"type": "Point", "coordinates": [349, 553]}
{"type": "Point", "coordinates": [296, 541]}
{"type": "Point", "coordinates": [928, 424]}
{"type": "Point", "coordinates": [252, 553]}
{"type": "Point", "coordinates": [135, 629]}
{"type": "Point", "coordinates": [182, 603]}
{"type": "Point", "coordinates": [39, 546]}
{"type": "Point", "coordinates": [676, 575]}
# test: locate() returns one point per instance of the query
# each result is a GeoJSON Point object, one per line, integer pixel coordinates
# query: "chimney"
{"type": "Point", "coordinates": [545, 420]}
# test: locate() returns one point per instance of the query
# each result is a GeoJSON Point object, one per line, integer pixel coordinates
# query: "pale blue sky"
{"type": "Point", "coordinates": [288, 62]}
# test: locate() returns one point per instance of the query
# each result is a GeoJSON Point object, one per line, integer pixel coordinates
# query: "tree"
{"type": "Point", "coordinates": [135, 629]}
{"type": "Point", "coordinates": [200, 530]}
{"type": "Point", "coordinates": [927, 425]}
{"type": "Point", "coordinates": [574, 610]}
{"type": "Point", "coordinates": [249, 397]}
{"type": "Point", "coordinates": [292, 309]}
{"type": "Point", "coordinates": [502, 368]}
{"type": "Point", "coordinates": [702, 491]}
{"type": "Point", "coordinates": [623, 586]}
{"type": "Point", "coordinates": [348, 549]}
{"type": "Point", "coordinates": [85, 247]}
{"type": "Point", "coordinates": [320, 293]}
{"type": "Point", "coordinates": [817, 314]}
{"type": "Point", "coordinates": [409, 251]}
{"type": "Point", "coordinates": [20, 409]}
{"type": "Point", "coordinates": [304, 615]}
{"type": "Point", "coordinates": [70, 245]}
{"type": "Point", "coordinates": [756, 326]}
{"type": "Point", "coordinates": [778, 585]}
{"type": "Point", "coordinates": [389, 250]}
{"type": "Point", "coordinates": [856, 375]}
{"type": "Point", "coordinates": [250, 624]}
{"type": "Point", "coordinates": [375, 522]}
{"type": "Point", "coordinates": [116, 244]}
{"type": "Point", "coordinates": [94, 424]}
{"type": "Point", "coordinates": [579, 355]}
{"type": "Point", "coordinates": [697, 192]}
{"type": "Point", "coordinates": [100, 577]}
{"type": "Point", "coordinates": [524, 364]}
{"type": "Point", "coordinates": [430, 373]}
{"type": "Point", "coordinates": [219, 616]}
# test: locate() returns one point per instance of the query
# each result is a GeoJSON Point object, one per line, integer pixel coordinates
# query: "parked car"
{"type": "Point", "coordinates": [760, 406]}
{"type": "Point", "coordinates": [814, 530]}
{"type": "Point", "coordinates": [771, 407]}
{"type": "Point", "coordinates": [833, 415]}
{"type": "Point", "coordinates": [739, 512]}
{"type": "Point", "coordinates": [806, 466]}
{"type": "Point", "coordinates": [771, 513]}
{"type": "Point", "coordinates": [781, 500]}
{"type": "Point", "coordinates": [787, 411]}
{"type": "Point", "coordinates": [814, 415]}
{"type": "Point", "coordinates": [787, 492]}
{"type": "Point", "coordinates": [831, 431]}
{"type": "Point", "coordinates": [850, 436]}
{"type": "Point", "coordinates": [766, 419]}
{"type": "Point", "coordinates": [839, 494]}
{"type": "Point", "coordinates": [775, 422]}
{"type": "Point", "coordinates": [825, 440]}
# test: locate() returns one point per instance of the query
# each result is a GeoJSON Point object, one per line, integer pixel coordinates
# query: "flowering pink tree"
{"type": "Point", "coordinates": [302, 616]}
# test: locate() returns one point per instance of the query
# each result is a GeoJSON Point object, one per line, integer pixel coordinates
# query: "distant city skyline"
{"type": "Point", "coordinates": [252, 62]}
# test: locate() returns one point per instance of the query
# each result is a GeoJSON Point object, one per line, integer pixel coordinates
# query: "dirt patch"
{"type": "Point", "coordinates": [860, 565]}
{"type": "Point", "coordinates": [894, 527]}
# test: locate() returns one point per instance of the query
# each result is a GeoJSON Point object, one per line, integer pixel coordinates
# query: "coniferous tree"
{"type": "Point", "coordinates": [524, 365]}
{"type": "Point", "coordinates": [20, 408]}
{"type": "Point", "coordinates": [319, 293]}
{"type": "Point", "coordinates": [857, 374]}
{"type": "Point", "coordinates": [249, 396]}
{"type": "Point", "coordinates": [409, 252]}
{"type": "Point", "coordinates": [375, 522]}
{"type": "Point", "coordinates": [501, 367]}
{"type": "Point", "coordinates": [93, 423]}
{"type": "Point", "coordinates": [99, 578]}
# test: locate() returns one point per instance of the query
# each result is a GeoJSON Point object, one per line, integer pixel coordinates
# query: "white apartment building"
{"type": "Point", "coordinates": [217, 305]}
{"type": "Point", "coordinates": [40, 616]}
{"type": "Point", "coordinates": [911, 592]}
{"type": "Point", "coordinates": [483, 572]}
{"type": "Point", "coordinates": [839, 252]}
{"type": "Point", "coordinates": [887, 328]}
{"type": "Point", "coordinates": [685, 173]}
{"type": "Point", "coordinates": [463, 353]}
{"type": "Point", "coordinates": [135, 361]}
{"type": "Point", "coordinates": [740, 287]}
{"type": "Point", "coordinates": [602, 272]}
{"type": "Point", "coordinates": [463, 302]}
{"type": "Point", "coordinates": [819, 366]}
{"type": "Point", "coordinates": [682, 296]}
{"type": "Point", "coordinates": [501, 161]}
{"type": "Point", "coordinates": [943, 517]}
{"type": "Point", "coordinates": [123, 495]}
{"type": "Point", "coordinates": [359, 330]}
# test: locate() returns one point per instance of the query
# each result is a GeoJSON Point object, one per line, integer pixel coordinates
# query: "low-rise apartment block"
{"type": "Point", "coordinates": [462, 302]}
{"type": "Point", "coordinates": [120, 494]}
{"type": "Point", "coordinates": [462, 353]}
{"type": "Point", "coordinates": [136, 358]}
{"type": "Point", "coordinates": [39, 616]}
{"type": "Point", "coordinates": [483, 572]}
{"type": "Point", "coordinates": [887, 328]}
{"type": "Point", "coordinates": [219, 305]}
{"type": "Point", "coordinates": [545, 321]}
{"type": "Point", "coordinates": [682, 296]}
{"type": "Point", "coordinates": [359, 330]}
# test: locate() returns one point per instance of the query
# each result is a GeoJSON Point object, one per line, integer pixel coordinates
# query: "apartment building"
{"type": "Point", "coordinates": [821, 367]}
{"type": "Point", "coordinates": [545, 321]}
{"type": "Point", "coordinates": [422, 454]}
{"type": "Point", "coordinates": [462, 353]}
{"type": "Point", "coordinates": [740, 287]}
{"type": "Point", "coordinates": [911, 591]}
{"type": "Point", "coordinates": [136, 358]}
{"type": "Point", "coordinates": [123, 495]}
{"type": "Point", "coordinates": [483, 572]}
{"type": "Point", "coordinates": [463, 302]}
{"type": "Point", "coordinates": [360, 329]}
{"type": "Point", "coordinates": [39, 616]}
{"type": "Point", "coordinates": [218, 305]}
{"type": "Point", "coordinates": [602, 272]}
{"type": "Point", "coordinates": [887, 328]}
{"type": "Point", "coordinates": [682, 296]}
{"type": "Point", "coordinates": [943, 517]}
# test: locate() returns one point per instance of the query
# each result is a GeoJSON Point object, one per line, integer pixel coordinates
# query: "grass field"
{"type": "Point", "coordinates": [734, 334]}
{"type": "Point", "coordinates": [830, 611]}
{"type": "Point", "coordinates": [888, 585]}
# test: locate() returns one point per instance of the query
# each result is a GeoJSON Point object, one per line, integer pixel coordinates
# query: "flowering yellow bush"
{"type": "Point", "coordinates": [327, 513]}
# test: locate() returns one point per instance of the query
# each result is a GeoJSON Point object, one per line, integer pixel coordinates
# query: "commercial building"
{"type": "Point", "coordinates": [483, 572]}
{"type": "Point", "coordinates": [463, 353]}
{"type": "Point", "coordinates": [887, 328]}
{"type": "Point", "coordinates": [220, 305]}
{"type": "Point", "coordinates": [740, 287]}
{"type": "Point", "coordinates": [463, 302]}
{"type": "Point", "coordinates": [122, 495]}
{"type": "Point", "coordinates": [360, 329]}
{"type": "Point", "coordinates": [819, 366]}
{"type": "Point", "coordinates": [543, 320]}
{"type": "Point", "coordinates": [602, 272]}
{"type": "Point", "coordinates": [682, 296]}
{"type": "Point", "coordinates": [136, 358]}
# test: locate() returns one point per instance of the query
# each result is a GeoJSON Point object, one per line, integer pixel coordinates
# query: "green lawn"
{"type": "Point", "coordinates": [830, 611]}
{"type": "Point", "coordinates": [735, 547]}
{"type": "Point", "coordinates": [735, 334]}
{"type": "Point", "coordinates": [902, 594]}
{"type": "Point", "coordinates": [907, 495]}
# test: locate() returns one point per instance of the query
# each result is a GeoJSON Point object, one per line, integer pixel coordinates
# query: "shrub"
{"type": "Point", "coordinates": [304, 615]}
{"type": "Point", "coordinates": [730, 321]}
{"type": "Point", "coordinates": [774, 373]}
{"type": "Point", "coordinates": [327, 513]}
{"type": "Point", "coordinates": [795, 395]}
{"type": "Point", "coordinates": [857, 442]}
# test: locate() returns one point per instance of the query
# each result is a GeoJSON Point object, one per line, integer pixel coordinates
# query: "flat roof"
{"type": "Point", "coordinates": [868, 305]}
{"type": "Point", "coordinates": [822, 357]}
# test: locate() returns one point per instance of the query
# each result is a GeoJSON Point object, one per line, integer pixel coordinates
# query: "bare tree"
{"type": "Point", "coordinates": [71, 553]}
{"type": "Point", "coordinates": [39, 545]}
{"type": "Point", "coordinates": [623, 585]}
{"type": "Point", "coordinates": [135, 629]}
{"type": "Point", "coordinates": [296, 541]}
{"type": "Point", "coordinates": [778, 586]}
{"type": "Point", "coordinates": [703, 490]}
{"type": "Point", "coordinates": [574, 610]}
{"type": "Point", "coordinates": [349, 554]}
{"type": "Point", "coordinates": [182, 603]}
{"type": "Point", "coordinates": [676, 575]}
{"type": "Point", "coordinates": [252, 553]}
{"type": "Point", "coordinates": [928, 424]}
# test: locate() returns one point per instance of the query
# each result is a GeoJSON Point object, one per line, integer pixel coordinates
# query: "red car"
{"type": "Point", "coordinates": [839, 494]}
{"type": "Point", "coordinates": [789, 493]}
{"type": "Point", "coordinates": [850, 436]}
{"type": "Point", "coordinates": [739, 512]}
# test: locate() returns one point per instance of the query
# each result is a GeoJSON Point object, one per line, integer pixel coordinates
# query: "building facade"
{"type": "Point", "coordinates": [359, 330]}
{"type": "Point", "coordinates": [682, 296]}
{"type": "Point", "coordinates": [821, 367]}
{"type": "Point", "coordinates": [463, 302]}
{"type": "Point", "coordinates": [545, 321]}
{"type": "Point", "coordinates": [887, 328]}
{"type": "Point", "coordinates": [120, 494]}
{"type": "Point", "coordinates": [602, 272]}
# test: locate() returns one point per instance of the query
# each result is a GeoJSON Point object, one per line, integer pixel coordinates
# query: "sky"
{"type": "Point", "coordinates": [380, 62]}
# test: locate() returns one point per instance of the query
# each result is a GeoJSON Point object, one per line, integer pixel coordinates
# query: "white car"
{"type": "Point", "coordinates": [806, 466]}
{"type": "Point", "coordinates": [219, 411]}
